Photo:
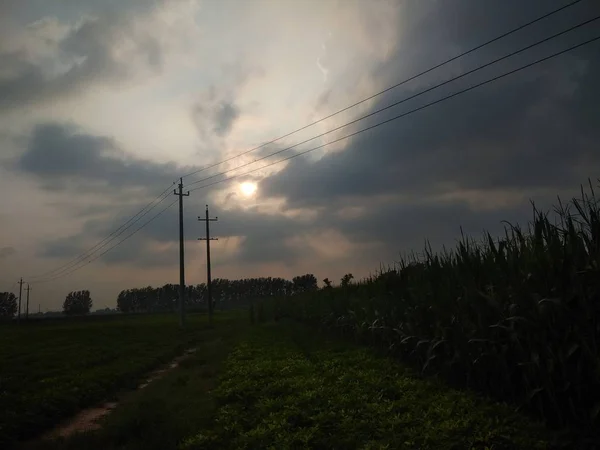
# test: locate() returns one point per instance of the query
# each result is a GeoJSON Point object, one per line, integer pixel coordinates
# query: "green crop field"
{"type": "Point", "coordinates": [516, 318]}
{"type": "Point", "coordinates": [50, 370]}
{"type": "Point", "coordinates": [283, 386]}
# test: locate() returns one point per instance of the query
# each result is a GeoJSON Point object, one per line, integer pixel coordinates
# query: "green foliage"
{"type": "Point", "coordinates": [8, 305]}
{"type": "Point", "coordinates": [225, 293]}
{"type": "Point", "coordinates": [252, 314]}
{"type": "Point", "coordinates": [77, 303]}
{"type": "Point", "coordinates": [304, 283]}
{"type": "Point", "coordinates": [148, 299]}
{"type": "Point", "coordinates": [51, 370]}
{"type": "Point", "coordinates": [261, 313]}
{"type": "Point", "coordinates": [285, 389]}
{"type": "Point", "coordinates": [517, 318]}
{"type": "Point", "coordinates": [346, 279]}
{"type": "Point", "coordinates": [171, 408]}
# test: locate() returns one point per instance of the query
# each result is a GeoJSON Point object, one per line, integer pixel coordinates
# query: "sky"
{"type": "Point", "coordinates": [104, 105]}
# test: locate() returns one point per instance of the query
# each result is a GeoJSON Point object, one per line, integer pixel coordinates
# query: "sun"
{"type": "Point", "coordinates": [248, 189]}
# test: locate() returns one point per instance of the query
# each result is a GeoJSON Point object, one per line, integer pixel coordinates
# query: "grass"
{"type": "Point", "coordinates": [51, 370]}
{"type": "Point", "coordinates": [282, 389]}
{"type": "Point", "coordinates": [170, 409]}
{"type": "Point", "coordinates": [516, 318]}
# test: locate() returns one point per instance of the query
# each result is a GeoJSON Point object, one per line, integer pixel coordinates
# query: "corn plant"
{"type": "Point", "coordinates": [516, 316]}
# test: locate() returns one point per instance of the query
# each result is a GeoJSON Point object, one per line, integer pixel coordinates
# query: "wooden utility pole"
{"type": "Point", "coordinates": [20, 295]}
{"type": "Point", "coordinates": [208, 275]}
{"type": "Point", "coordinates": [181, 256]}
{"type": "Point", "coordinates": [27, 307]}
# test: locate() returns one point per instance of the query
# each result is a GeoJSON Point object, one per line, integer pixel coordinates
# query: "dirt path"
{"type": "Point", "coordinates": [89, 419]}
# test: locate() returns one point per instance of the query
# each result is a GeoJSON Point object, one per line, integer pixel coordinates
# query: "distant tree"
{"type": "Point", "coordinates": [327, 282]}
{"type": "Point", "coordinates": [77, 303]}
{"type": "Point", "coordinates": [346, 279]}
{"type": "Point", "coordinates": [124, 303]}
{"type": "Point", "coordinates": [8, 304]}
{"type": "Point", "coordinates": [225, 293]}
{"type": "Point", "coordinates": [305, 283]}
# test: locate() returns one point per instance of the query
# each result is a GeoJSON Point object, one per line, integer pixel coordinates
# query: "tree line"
{"type": "Point", "coordinates": [225, 293]}
{"type": "Point", "coordinates": [76, 303]}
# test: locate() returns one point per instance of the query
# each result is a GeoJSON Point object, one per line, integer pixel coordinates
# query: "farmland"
{"type": "Point", "coordinates": [490, 345]}
{"type": "Point", "coordinates": [51, 370]}
{"type": "Point", "coordinates": [516, 318]}
{"type": "Point", "coordinates": [283, 389]}
{"type": "Point", "coordinates": [278, 385]}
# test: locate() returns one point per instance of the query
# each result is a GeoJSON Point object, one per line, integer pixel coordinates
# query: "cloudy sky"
{"type": "Point", "coordinates": [104, 104]}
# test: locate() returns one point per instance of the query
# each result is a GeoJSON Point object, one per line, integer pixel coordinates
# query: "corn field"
{"type": "Point", "coordinates": [516, 317]}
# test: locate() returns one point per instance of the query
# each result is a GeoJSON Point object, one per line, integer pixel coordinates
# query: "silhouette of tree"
{"type": "Point", "coordinates": [305, 283]}
{"type": "Point", "coordinates": [346, 279]}
{"type": "Point", "coordinates": [77, 303]}
{"type": "Point", "coordinates": [8, 304]}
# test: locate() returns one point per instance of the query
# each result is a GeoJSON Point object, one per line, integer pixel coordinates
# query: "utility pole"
{"type": "Point", "coordinates": [27, 307]}
{"type": "Point", "coordinates": [181, 255]}
{"type": "Point", "coordinates": [20, 295]}
{"type": "Point", "coordinates": [208, 277]}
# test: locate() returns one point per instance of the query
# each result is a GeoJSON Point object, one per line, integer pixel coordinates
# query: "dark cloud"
{"type": "Point", "coordinates": [263, 236]}
{"type": "Point", "coordinates": [472, 161]}
{"type": "Point", "coordinates": [224, 117]}
{"type": "Point", "coordinates": [64, 247]}
{"type": "Point", "coordinates": [389, 226]}
{"type": "Point", "coordinates": [87, 56]}
{"type": "Point", "coordinates": [143, 254]}
{"type": "Point", "coordinates": [528, 131]}
{"type": "Point", "coordinates": [214, 117]}
{"type": "Point", "coordinates": [62, 157]}
{"type": "Point", "coordinates": [215, 110]}
{"type": "Point", "coordinates": [5, 252]}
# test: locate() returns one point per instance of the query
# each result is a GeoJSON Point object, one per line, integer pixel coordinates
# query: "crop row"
{"type": "Point", "coordinates": [49, 371]}
{"type": "Point", "coordinates": [283, 388]}
{"type": "Point", "coordinates": [516, 317]}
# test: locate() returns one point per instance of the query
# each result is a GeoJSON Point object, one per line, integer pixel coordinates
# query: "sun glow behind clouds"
{"type": "Point", "coordinates": [248, 189]}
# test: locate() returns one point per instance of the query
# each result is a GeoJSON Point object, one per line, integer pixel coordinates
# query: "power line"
{"type": "Point", "coordinates": [162, 211]}
{"type": "Point", "coordinates": [406, 113]}
{"type": "Point", "coordinates": [528, 47]}
{"type": "Point", "coordinates": [107, 239]}
{"type": "Point", "coordinates": [59, 272]}
{"type": "Point", "coordinates": [111, 237]}
{"type": "Point", "coordinates": [86, 255]}
{"type": "Point", "coordinates": [454, 58]}
{"type": "Point", "coordinates": [110, 248]}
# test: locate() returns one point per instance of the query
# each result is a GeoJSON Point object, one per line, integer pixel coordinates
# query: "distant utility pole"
{"type": "Point", "coordinates": [20, 295]}
{"type": "Point", "coordinates": [27, 307]}
{"type": "Point", "coordinates": [181, 255]}
{"type": "Point", "coordinates": [208, 278]}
